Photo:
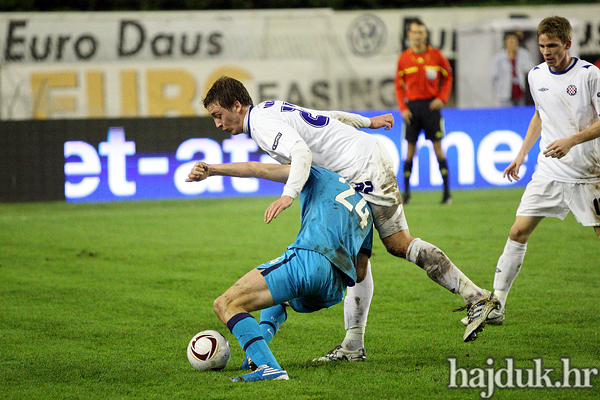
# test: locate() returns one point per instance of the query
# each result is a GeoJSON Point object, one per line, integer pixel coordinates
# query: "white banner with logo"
{"type": "Point", "coordinates": [90, 65]}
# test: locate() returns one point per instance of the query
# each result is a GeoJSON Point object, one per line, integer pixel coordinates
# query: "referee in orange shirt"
{"type": "Point", "coordinates": [423, 84]}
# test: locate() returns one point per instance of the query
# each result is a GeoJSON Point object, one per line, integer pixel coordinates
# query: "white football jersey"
{"type": "Point", "coordinates": [568, 102]}
{"type": "Point", "coordinates": [276, 126]}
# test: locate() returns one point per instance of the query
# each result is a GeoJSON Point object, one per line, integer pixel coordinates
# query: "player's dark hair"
{"type": "Point", "coordinates": [556, 26]}
{"type": "Point", "coordinates": [226, 91]}
{"type": "Point", "coordinates": [414, 21]}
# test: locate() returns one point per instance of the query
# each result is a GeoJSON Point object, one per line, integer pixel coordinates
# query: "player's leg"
{"type": "Point", "coordinates": [479, 302]}
{"type": "Point", "coordinates": [443, 164]}
{"type": "Point", "coordinates": [356, 310]}
{"type": "Point", "coordinates": [381, 175]}
{"type": "Point", "coordinates": [542, 198]}
{"type": "Point", "coordinates": [435, 131]}
{"type": "Point", "coordinates": [271, 320]}
{"type": "Point", "coordinates": [304, 279]}
{"type": "Point", "coordinates": [395, 235]}
{"type": "Point", "coordinates": [411, 134]}
{"type": "Point", "coordinates": [585, 204]}
{"type": "Point", "coordinates": [390, 222]}
{"type": "Point", "coordinates": [434, 262]}
{"type": "Point", "coordinates": [510, 262]}
{"type": "Point", "coordinates": [249, 293]}
{"type": "Point", "coordinates": [408, 165]}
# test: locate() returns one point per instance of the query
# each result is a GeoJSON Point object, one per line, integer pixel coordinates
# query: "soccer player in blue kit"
{"type": "Point", "coordinates": [302, 137]}
{"type": "Point", "coordinates": [336, 231]}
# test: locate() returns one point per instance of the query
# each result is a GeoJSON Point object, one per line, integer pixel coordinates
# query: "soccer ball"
{"type": "Point", "coordinates": [208, 350]}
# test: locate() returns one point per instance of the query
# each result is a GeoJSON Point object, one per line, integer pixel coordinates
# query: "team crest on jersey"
{"type": "Point", "coordinates": [571, 90]}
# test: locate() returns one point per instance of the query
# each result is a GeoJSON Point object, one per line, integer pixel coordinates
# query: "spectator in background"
{"type": "Point", "coordinates": [509, 69]}
{"type": "Point", "coordinates": [423, 84]}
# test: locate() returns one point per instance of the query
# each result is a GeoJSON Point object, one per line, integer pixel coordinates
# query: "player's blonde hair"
{"type": "Point", "coordinates": [556, 26]}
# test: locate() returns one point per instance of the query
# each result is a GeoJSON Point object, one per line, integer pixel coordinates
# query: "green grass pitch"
{"type": "Point", "coordinates": [99, 301]}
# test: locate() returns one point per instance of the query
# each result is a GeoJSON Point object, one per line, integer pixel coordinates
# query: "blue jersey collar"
{"type": "Point", "coordinates": [570, 67]}
{"type": "Point", "coordinates": [246, 126]}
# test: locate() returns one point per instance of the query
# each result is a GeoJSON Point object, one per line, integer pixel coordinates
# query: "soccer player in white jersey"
{"type": "Point", "coordinates": [566, 91]}
{"type": "Point", "coordinates": [301, 137]}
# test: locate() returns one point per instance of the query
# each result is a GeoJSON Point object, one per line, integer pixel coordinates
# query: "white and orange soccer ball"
{"type": "Point", "coordinates": [208, 350]}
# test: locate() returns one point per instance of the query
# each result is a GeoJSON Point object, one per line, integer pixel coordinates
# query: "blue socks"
{"type": "Point", "coordinates": [270, 320]}
{"type": "Point", "coordinates": [248, 333]}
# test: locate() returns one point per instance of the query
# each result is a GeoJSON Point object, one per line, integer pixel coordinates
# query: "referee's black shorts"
{"type": "Point", "coordinates": [424, 119]}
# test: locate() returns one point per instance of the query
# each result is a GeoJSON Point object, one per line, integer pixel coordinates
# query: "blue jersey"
{"type": "Point", "coordinates": [335, 221]}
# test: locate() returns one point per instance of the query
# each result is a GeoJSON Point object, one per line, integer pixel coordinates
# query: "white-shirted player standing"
{"type": "Point", "coordinates": [566, 91]}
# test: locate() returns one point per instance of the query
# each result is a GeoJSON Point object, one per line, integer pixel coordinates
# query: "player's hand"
{"type": "Point", "coordinates": [200, 171]}
{"type": "Point", "coordinates": [558, 148]}
{"type": "Point", "coordinates": [381, 121]}
{"type": "Point", "coordinates": [406, 116]}
{"type": "Point", "coordinates": [277, 207]}
{"type": "Point", "coordinates": [512, 171]}
{"type": "Point", "coordinates": [436, 104]}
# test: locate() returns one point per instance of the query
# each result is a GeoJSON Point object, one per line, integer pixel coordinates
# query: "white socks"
{"type": "Point", "coordinates": [441, 270]}
{"type": "Point", "coordinates": [508, 267]}
{"type": "Point", "coordinates": [356, 310]}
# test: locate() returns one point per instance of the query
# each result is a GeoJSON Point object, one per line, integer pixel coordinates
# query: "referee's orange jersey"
{"type": "Point", "coordinates": [421, 76]}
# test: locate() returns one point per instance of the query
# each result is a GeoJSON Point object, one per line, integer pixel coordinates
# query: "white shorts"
{"type": "Point", "coordinates": [547, 198]}
{"type": "Point", "coordinates": [378, 185]}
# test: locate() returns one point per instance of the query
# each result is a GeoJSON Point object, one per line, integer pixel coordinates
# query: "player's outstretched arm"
{"type": "Point", "coordinates": [199, 172]}
{"type": "Point", "coordinates": [382, 121]}
{"type": "Point", "coordinates": [272, 172]}
{"type": "Point", "coordinates": [358, 121]}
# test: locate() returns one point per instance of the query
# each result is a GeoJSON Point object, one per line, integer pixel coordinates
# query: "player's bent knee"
{"type": "Point", "coordinates": [220, 306]}
{"type": "Point", "coordinates": [397, 250]}
{"type": "Point", "coordinates": [398, 243]}
{"type": "Point", "coordinates": [519, 235]}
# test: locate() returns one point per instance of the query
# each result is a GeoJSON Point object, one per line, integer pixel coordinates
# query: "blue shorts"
{"type": "Point", "coordinates": [304, 278]}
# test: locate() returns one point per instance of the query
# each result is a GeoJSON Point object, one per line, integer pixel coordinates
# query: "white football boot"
{"type": "Point", "coordinates": [495, 317]}
{"type": "Point", "coordinates": [341, 354]}
{"type": "Point", "coordinates": [477, 314]}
